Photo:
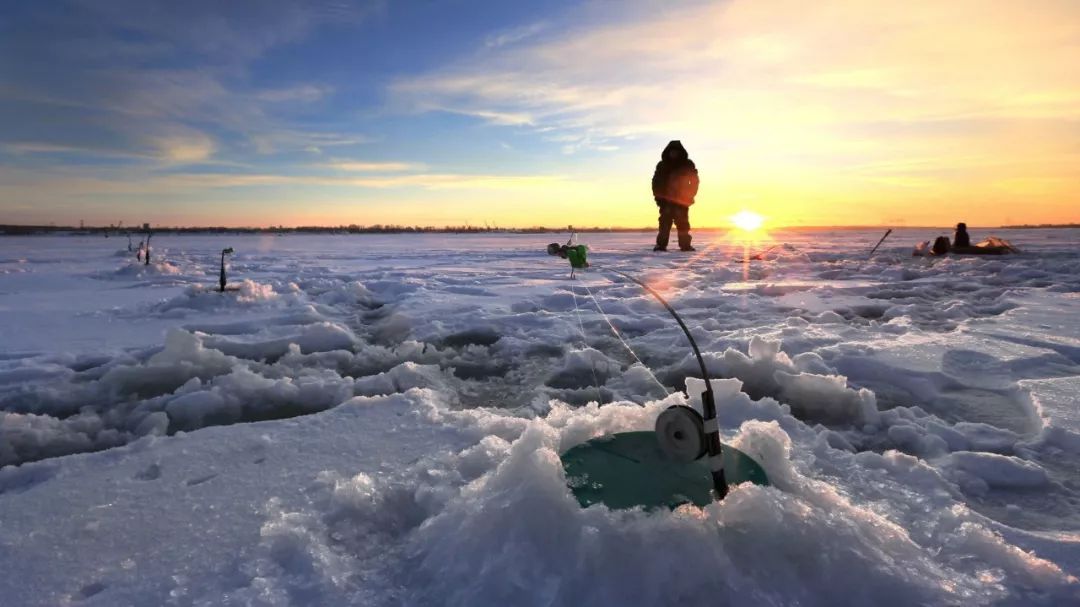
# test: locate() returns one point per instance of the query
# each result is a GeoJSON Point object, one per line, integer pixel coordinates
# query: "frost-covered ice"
{"type": "Point", "coordinates": [376, 420]}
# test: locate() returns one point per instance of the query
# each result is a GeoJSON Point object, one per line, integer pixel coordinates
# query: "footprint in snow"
{"type": "Point", "coordinates": [91, 589]}
{"type": "Point", "coordinates": [150, 473]}
{"type": "Point", "coordinates": [200, 480]}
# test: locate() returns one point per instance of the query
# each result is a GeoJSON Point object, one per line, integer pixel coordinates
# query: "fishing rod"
{"type": "Point", "coordinates": [683, 433]}
{"type": "Point", "coordinates": [675, 315]}
{"type": "Point", "coordinates": [889, 231]}
{"type": "Point", "coordinates": [681, 429]}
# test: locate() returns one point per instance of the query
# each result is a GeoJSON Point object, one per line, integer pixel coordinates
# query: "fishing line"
{"type": "Point", "coordinates": [585, 344]}
{"type": "Point", "coordinates": [626, 345]}
{"type": "Point", "coordinates": [678, 319]}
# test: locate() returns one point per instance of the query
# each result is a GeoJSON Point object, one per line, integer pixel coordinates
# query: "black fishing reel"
{"type": "Point", "coordinates": [680, 431]}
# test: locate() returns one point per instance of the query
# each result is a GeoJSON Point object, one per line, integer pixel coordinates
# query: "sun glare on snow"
{"type": "Point", "coordinates": [747, 220]}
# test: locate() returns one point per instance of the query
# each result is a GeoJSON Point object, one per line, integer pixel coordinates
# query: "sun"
{"type": "Point", "coordinates": [747, 220]}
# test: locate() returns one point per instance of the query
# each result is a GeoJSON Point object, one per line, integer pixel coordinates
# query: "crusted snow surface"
{"type": "Point", "coordinates": [377, 420]}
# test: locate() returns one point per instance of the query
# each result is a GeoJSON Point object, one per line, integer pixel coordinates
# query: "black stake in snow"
{"type": "Point", "coordinates": [889, 231]}
{"type": "Point", "coordinates": [708, 404]}
{"type": "Point", "coordinates": [148, 235]}
{"type": "Point", "coordinates": [221, 280]}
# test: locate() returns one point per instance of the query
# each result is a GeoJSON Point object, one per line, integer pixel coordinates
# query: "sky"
{"type": "Point", "coordinates": [516, 114]}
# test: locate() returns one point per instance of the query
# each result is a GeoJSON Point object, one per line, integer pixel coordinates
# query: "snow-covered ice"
{"type": "Point", "coordinates": [376, 420]}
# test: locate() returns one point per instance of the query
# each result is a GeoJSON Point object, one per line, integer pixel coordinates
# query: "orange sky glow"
{"type": "Point", "coordinates": [829, 113]}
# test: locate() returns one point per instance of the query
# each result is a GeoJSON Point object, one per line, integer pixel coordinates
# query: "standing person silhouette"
{"type": "Point", "coordinates": [674, 185]}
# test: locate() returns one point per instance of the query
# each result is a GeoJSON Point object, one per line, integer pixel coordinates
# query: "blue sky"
{"type": "Point", "coordinates": [524, 113]}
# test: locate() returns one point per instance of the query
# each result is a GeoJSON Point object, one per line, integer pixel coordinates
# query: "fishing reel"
{"type": "Point", "coordinates": [680, 431]}
{"type": "Point", "coordinates": [576, 254]}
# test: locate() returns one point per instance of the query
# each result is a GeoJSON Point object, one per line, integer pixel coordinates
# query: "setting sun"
{"type": "Point", "coordinates": [747, 220]}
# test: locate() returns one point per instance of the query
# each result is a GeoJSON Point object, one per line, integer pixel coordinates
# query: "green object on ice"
{"type": "Point", "coordinates": [628, 469]}
{"type": "Point", "coordinates": [578, 256]}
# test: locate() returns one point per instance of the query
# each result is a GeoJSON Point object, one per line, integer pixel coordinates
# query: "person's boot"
{"type": "Point", "coordinates": [661, 242]}
{"type": "Point", "coordinates": [684, 243]}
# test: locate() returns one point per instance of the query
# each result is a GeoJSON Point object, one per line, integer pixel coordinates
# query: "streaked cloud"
{"type": "Point", "coordinates": [236, 31]}
{"type": "Point", "coordinates": [35, 147]}
{"type": "Point", "coordinates": [372, 167]}
{"type": "Point", "coordinates": [782, 102]}
{"type": "Point", "coordinates": [101, 182]}
{"type": "Point", "coordinates": [444, 181]}
{"type": "Point", "coordinates": [724, 69]}
{"type": "Point", "coordinates": [275, 139]}
{"type": "Point", "coordinates": [115, 71]}
{"type": "Point", "coordinates": [515, 35]}
{"type": "Point", "coordinates": [185, 148]}
{"type": "Point", "coordinates": [304, 93]}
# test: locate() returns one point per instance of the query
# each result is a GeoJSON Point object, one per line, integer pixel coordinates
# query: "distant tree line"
{"type": "Point", "coordinates": [22, 230]}
{"type": "Point", "coordinates": [1029, 226]}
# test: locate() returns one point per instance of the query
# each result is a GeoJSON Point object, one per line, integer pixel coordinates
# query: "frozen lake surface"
{"type": "Point", "coordinates": [376, 420]}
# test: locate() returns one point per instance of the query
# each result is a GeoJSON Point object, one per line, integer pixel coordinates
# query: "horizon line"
{"type": "Point", "coordinates": [479, 228]}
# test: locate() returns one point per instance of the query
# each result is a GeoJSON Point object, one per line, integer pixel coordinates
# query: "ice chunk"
{"type": "Point", "coordinates": [999, 470]}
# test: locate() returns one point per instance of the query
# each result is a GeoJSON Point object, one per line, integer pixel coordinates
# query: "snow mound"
{"type": "Point", "coordinates": [996, 471]}
{"type": "Point", "coordinates": [188, 385]}
{"type": "Point", "coordinates": [140, 270]}
{"type": "Point", "coordinates": [204, 298]}
{"type": "Point", "coordinates": [495, 524]}
{"type": "Point", "coordinates": [185, 357]}
{"type": "Point", "coordinates": [29, 437]}
{"type": "Point", "coordinates": [243, 395]}
{"type": "Point", "coordinates": [402, 378]}
{"type": "Point", "coordinates": [315, 337]}
{"type": "Point", "coordinates": [768, 372]}
{"type": "Point", "coordinates": [378, 420]}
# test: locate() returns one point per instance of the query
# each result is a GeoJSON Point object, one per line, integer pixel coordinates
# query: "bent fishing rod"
{"type": "Point", "coordinates": [710, 426]}
{"type": "Point", "coordinates": [682, 432]}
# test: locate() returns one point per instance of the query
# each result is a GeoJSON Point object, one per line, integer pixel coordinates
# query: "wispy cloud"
{"type": "Point", "coordinates": [453, 181]}
{"type": "Point", "coordinates": [782, 103]}
{"type": "Point", "coordinates": [515, 35]}
{"type": "Point", "coordinates": [35, 147]}
{"type": "Point", "coordinates": [184, 148]}
{"type": "Point", "coordinates": [278, 139]}
{"type": "Point", "coordinates": [233, 32]}
{"type": "Point", "coordinates": [102, 182]}
{"type": "Point", "coordinates": [171, 147]}
{"type": "Point", "coordinates": [372, 167]}
{"type": "Point", "coordinates": [129, 73]}
{"type": "Point", "coordinates": [304, 93]}
{"type": "Point", "coordinates": [753, 71]}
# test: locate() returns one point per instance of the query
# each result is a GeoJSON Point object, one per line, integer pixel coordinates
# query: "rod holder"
{"type": "Point", "coordinates": [221, 278]}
